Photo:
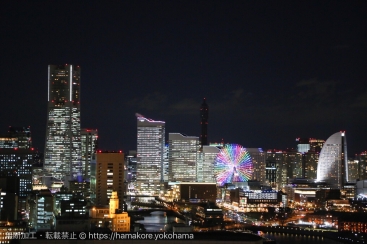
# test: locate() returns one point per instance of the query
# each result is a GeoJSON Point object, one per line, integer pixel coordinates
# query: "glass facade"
{"type": "Point", "coordinates": [89, 142]}
{"type": "Point", "coordinates": [183, 154]}
{"type": "Point", "coordinates": [332, 161]}
{"type": "Point", "coordinates": [150, 144]}
{"type": "Point", "coordinates": [63, 142]}
{"type": "Point", "coordinates": [205, 168]}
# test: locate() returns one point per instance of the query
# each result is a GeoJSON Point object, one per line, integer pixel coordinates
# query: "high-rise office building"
{"type": "Point", "coordinates": [63, 142]}
{"type": "Point", "coordinates": [17, 137]}
{"type": "Point", "coordinates": [183, 156]}
{"type": "Point", "coordinates": [204, 116]}
{"type": "Point", "coordinates": [206, 159]}
{"type": "Point", "coordinates": [333, 164]}
{"type": "Point", "coordinates": [166, 163]}
{"type": "Point", "coordinates": [150, 144]}
{"type": "Point", "coordinates": [18, 163]}
{"type": "Point", "coordinates": [89, 140]}
{"type": "Point", "coordinates": [109, 176]}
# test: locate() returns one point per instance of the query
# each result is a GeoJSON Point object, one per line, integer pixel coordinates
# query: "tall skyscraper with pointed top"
{"type": "Point", "coordinates": [204, 115]}
{"type": "Point", "coordinates": [63, 143]}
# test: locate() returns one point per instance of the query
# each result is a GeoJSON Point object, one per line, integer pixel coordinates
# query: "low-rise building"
{"type": "Point", "coordinates": [110, 216]}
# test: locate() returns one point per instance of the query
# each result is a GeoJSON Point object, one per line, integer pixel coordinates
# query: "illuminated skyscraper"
{"type": "Point", "coordinates": [63, 143]}
{"type": "Point", "coordinates": [333, 166]}
{"type": "Point", "coordinates": [204, 115]}
{"type": "Point", "coordinates": [276, 161]}
{"type": "Point", "coordinates": [205, 167]}
{"type": "Point", "coordinates": [258, 162]}
{"type": "Point", "coordinates": [150, 144]}
{"type": "Point", "coordinates": [17, 137]}
{"type": "Point", "coordinates": [183, 155]}
{"type": "Point", "coordinates": [89, 140]}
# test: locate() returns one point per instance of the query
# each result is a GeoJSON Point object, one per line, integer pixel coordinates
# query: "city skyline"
{"type": "Point", "coordinates": [270, 72]}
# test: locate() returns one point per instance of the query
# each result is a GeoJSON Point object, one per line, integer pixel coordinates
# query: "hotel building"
{"type": "Point", "coordinates": [63, 143]}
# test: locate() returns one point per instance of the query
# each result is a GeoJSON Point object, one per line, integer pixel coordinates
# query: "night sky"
{"type": "Point", "coordinates": [271, 71]}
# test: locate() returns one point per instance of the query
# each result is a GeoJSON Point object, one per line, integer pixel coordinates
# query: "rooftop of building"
{"type": "Point", "coordinates": [107, 151]}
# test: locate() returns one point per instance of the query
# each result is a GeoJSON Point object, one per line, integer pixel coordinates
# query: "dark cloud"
{"type": "Point", "coordinates": [151, 102]}
{"type": "Point", "coordinates": [360, 101]}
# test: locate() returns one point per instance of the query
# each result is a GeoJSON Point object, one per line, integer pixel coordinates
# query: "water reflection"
{"type": "Point", "coordinates": [158, 221]}
{"type": "Point", "coordinates": [299, 239]}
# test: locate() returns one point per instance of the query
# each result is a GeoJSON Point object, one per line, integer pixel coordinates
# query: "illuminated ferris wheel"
{"type": "Point", "coordinates": [232, 164]}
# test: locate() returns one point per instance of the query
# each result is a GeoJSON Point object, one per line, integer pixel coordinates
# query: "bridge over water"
{"type": "Point", "coordinates": [143, 212]}
{"type": "Point", "coordinates": [331, 234]}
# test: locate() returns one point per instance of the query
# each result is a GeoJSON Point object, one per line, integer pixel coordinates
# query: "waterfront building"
{"type": "Point", "coordinates": [210, 214]}
{"type": "Point", "coordinates": [332, 166]}
{"type": "Point", "coordinates": [183, 157]}
{"type": "Point", "coordinates": [110, 215]}
{"type": "Point", "coordinates": [353, 222]}
{"type": "Point", "coordinates": [89, 143]}
{"type": "Point", "coordinates": [63, 143]}
{"type": "Point", "coordinates": [191, 192]}
{"type": "Point", "coordinates": [150, 144]}
{"type": "Point", "coordinates": [120, 218]}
